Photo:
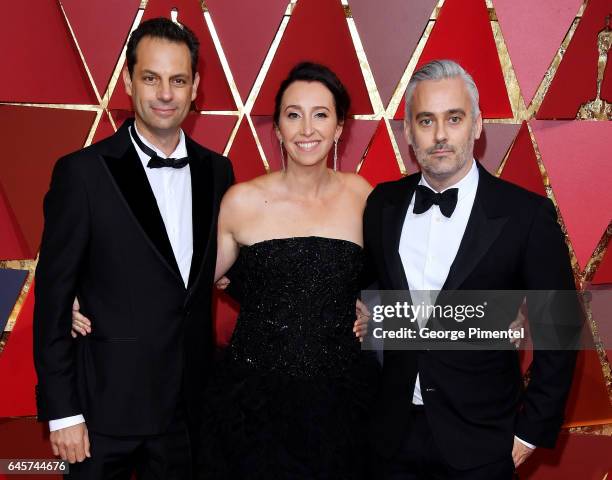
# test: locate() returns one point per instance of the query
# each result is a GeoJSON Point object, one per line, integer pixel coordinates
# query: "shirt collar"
{"type": "Point", "coordinates": [466, 185]}
{"type": "Point", "coordinates": [179, 152]}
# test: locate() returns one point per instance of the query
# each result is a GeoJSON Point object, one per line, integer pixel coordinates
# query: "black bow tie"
{"type": "Point", "coordinates": [426, 197]}
{"type": "Point", "coordinates": [156, 161]}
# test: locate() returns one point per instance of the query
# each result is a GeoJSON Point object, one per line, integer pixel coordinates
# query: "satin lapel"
{"type": "Point", "coordinates": [132, 183]}
{"type": "Point", "coordinates": [393, 216]}
{"type": "Point", "coordinates": [202, 195]}
{"type": "Point", "coordinates": [480, 233]}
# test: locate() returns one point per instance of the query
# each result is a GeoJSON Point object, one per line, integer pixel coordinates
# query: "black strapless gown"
{"type": "Point", "coordinates": [291, 398]}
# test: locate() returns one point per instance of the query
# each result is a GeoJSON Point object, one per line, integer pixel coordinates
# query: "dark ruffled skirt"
{"type": "Point", "coordinates": [277, 426]}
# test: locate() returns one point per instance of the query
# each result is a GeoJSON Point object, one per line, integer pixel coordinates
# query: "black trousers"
{"type": "Point", "coordinates": [166, 456]}
{"type": "Point", "coordinates": [420, 459]}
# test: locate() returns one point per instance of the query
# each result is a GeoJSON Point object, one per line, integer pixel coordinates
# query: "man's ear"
{"type": "Point", "coordinates": [478, 126]}
{"type": "Point", "coordinates": [407, 132]}
{"type": "Point", "coordinates": [196, 82]}
{"type": "Point", "coordinates": [127, 80]}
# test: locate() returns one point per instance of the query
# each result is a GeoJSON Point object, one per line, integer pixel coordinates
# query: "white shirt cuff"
{"type": "Point", "coordinates": [65, 422]}
{"type": "Point", "coordinates": [527, 444]}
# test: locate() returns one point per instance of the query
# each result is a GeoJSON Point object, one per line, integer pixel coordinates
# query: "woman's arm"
{"type": "Point", "coordinates": [227, 246]}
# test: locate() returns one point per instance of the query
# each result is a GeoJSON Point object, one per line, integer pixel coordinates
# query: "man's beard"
{"type": "Point", "coordinates": [464, 153]}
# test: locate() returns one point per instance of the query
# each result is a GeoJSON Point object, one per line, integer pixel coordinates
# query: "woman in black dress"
{"type": "Point", "coordinates": [291, 397]}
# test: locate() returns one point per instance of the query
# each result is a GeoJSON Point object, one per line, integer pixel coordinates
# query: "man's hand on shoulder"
{"type": "Point", "coordinates": [71, 443]}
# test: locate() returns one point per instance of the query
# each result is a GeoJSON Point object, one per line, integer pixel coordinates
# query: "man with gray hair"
{"type": "Point", "coordinates": [462, 414]}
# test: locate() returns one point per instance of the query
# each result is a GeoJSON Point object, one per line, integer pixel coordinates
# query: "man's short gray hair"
{"type": "Point", "coordinates": [438, 70]}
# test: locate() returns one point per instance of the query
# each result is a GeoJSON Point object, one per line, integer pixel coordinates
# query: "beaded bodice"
{"type": "Point", "coordinates": [298, 306]}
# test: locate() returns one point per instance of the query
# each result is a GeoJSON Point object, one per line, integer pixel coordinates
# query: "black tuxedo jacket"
{"type": "Point", "coordinates": [105, 242]}
{"type": "Point", "coordinates": [474, 400]}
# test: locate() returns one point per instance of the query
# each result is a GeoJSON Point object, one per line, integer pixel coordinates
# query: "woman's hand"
{"type": "Point", "coordinates": [518, 323]}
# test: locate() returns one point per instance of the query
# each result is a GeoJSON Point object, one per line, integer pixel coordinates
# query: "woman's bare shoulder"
{"type": "Point", "coordinates": [357, 184]}
{"type": "Point", "coordinates": [248, 195]}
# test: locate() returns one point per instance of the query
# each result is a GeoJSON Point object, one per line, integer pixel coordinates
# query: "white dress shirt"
{"type": "Point", "coordinates": [428, 246]}
{"type": "Point", "coordinates": [172, 190]}
{"type": "Point", "coordinates": [429, 243]}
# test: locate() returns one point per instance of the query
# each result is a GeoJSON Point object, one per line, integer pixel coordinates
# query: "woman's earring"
{"type": "Point", "coordinates": [335, 154]}
{"type": "Point", "coordinates": [282, 155]}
